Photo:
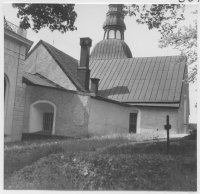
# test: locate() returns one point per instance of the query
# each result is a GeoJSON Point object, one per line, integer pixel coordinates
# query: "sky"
{"type": "Point", "coordinates": [142, 41]}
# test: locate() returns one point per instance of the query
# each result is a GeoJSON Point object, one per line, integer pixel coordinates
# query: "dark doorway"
{"type": "Point", "coordinates": [133, 123]}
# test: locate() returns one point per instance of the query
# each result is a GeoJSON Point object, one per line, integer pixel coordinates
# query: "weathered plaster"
{"type": "Point", "coordinates": [40, 61]}
{"type": "Point", "coordinates": [66, 123]}
{"type": "Point", "coordinates": [185, 91]}
{"type": "Point", "coordinates": [108, 118]}
{"type": "Point", "coordinates": [153, 119]}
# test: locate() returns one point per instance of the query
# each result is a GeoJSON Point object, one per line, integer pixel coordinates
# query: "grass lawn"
{"type": "Point", "coordinates": [84, 165]}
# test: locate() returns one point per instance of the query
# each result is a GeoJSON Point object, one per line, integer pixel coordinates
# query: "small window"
{"type": "Point", "coordinates": [118, 34]}
{"type": "Point", "coordinates": [133, 123]}
{"type": "Point", "coordinates": [111, 34]}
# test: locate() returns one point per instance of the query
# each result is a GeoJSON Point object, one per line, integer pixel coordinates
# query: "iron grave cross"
{"type": "Point", "coordinates": [167, 127]}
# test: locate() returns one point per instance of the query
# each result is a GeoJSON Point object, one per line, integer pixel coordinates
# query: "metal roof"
{"type": "Point", "coordinates": [144, 79]}
{"type": "Point", "coordinates": [39, 80]}
{"type": "Point", "coordinates": [110, 49]}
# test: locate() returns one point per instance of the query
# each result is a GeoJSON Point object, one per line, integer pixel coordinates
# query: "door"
{"type": "Point", "coordinates": [133, 123]}
{"type": "Point", "coordinates": [48, 121]}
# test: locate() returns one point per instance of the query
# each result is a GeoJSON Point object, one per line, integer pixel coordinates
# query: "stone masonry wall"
{"type": "Point", "coordinates": [72, 110]}
{"type": "Point", "coordinates": [14, 55]}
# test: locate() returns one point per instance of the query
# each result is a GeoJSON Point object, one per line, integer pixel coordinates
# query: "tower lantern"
{"type": "Point", "coordinates": [114, 25]}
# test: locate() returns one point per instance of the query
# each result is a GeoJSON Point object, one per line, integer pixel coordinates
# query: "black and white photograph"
{"type": "Point", "coordinates": [100, 96]}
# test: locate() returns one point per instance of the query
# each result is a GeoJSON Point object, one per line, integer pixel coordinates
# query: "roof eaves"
{"type": "Point", "coordinates": [55, 88]}
{"type": "Point", "coordinates": [150, 101]}
{"type": "Point", "coordinates": [166, 105]}
{"type": "Point", "coordinates": [110, 100]}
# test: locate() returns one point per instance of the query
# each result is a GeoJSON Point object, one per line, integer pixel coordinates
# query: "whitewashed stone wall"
{"type": "Point", "coordinates": [108, 118]}
{"type": "Point", "coordinates": [153, 120]}
{"type": "Point", "coordinates": [71, 110]}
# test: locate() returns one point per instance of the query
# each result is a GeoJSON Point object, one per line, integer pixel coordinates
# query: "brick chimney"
{"type": "Point", "coordinates": [94, 85]}
{"type": "Point", "coordinates": [83, 72]}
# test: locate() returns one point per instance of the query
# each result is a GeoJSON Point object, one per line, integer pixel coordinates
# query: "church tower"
{"type": "Point", "coordinates": [114, 25]}
{"type": "Point", "coordinates": [112, 46]}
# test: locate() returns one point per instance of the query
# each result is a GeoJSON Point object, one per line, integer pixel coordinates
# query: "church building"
{"type": "Point", "coordinates": [107, 91]}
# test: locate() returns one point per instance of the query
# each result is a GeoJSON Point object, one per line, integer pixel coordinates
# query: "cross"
{"type": "Point", "coordinates": [167, 127]}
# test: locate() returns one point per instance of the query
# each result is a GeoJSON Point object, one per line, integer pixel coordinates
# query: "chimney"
{"type": "Point", "coordinates": [83, 72]}
{"type": "Point", "coordinates": [94, 85]}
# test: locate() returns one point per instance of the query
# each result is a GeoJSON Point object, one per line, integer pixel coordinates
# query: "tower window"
{"type": "Point", "coordinates": [111, 34]}
{"type": "Point", "coordinates": [118, 34]}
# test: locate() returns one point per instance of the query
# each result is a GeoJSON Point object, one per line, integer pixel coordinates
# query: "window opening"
{"type": "Point", "coordinates": [111, 34]}
{"type": "Point", "coordinates": [118, 34]}
{"type": "Point", "coordinates": [133, 123]}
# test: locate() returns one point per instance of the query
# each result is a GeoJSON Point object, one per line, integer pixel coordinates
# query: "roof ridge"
{"type": "Point", "coordinates": [69, 69]}
{"type": "Point", "coordinates": [60, 50]}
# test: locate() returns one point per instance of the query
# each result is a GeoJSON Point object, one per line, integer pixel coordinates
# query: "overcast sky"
{"type": "Point", "coordinates": [142, 41]}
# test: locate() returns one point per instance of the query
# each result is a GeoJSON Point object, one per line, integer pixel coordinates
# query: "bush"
{"type": "Point", "coordinates": [75, 165]}
{"type": "Point", "coordinates": [193, 132]}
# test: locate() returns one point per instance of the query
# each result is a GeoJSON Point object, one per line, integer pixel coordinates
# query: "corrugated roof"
{"type": "Point", "coordinates": [110, 49]}
{"type": "Point", "coordinates": [145, 79]}
{"type": "Point", "coordinates": [39, 80]}
{"type": "Point", "coordinates": [67, 63]}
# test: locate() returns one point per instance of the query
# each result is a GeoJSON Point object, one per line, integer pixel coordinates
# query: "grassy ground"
{"type": "Point", "coordinates": [86, 165]}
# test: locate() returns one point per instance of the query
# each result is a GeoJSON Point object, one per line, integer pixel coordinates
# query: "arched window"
{"type": "Point", "coordinates": [42, 117]}
{"type": "Point", "coordinates": [111, 34]}
{"type": "Point", "coordinates": [118, 34]}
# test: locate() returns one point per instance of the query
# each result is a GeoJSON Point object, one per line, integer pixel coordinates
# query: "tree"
{"type": "Point", "coordinates": [59, 17]}
{"type": "Point", "coordinates": [165, 18]}
{"type": "Point", "coordinates": [162, 16]}
{"type": "Point", "coordinates": [185, 40]}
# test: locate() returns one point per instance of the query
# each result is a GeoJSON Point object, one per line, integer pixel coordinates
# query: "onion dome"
{"type": "Point", "coordinates": [110, 49]}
